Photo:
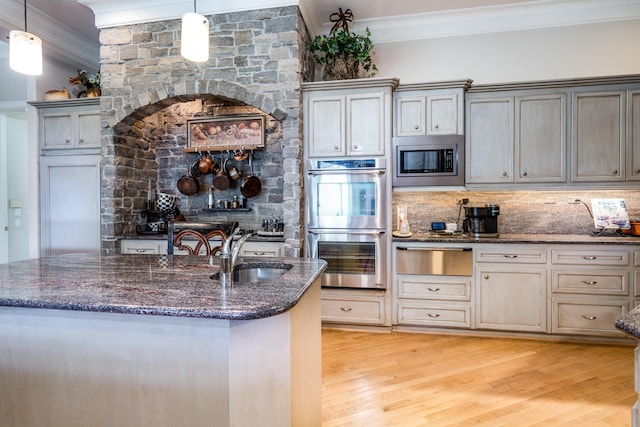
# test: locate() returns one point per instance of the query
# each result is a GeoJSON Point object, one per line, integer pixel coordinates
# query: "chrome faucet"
{"type": "Point", "coordinates": [228, 256]}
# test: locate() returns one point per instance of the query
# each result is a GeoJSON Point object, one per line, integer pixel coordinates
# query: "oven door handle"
{"type": "Point", "coordinates": [347, 172]}
{"type": "Point", "coordinates": [402, 248]}
{"type": "Point", "coordinates": [342, 231]}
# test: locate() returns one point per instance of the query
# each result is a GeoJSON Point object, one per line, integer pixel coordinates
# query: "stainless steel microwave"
{"type": "Point", "coordinates": [428, 160]}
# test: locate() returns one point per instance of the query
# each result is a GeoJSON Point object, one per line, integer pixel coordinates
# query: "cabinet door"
{"type": "Point", "coordinates": [489, 140]}
{"type": "Point", "coordinates": [56, 130]}
{"type": "Point", "coordinates": [70, 204]}
{"type": "Point", "coordinates": [88, 129]}
{"type": "Point", "coordinates": [442, 114]}
{"type": "Point", "coordinates": [326, 126]}
{"type": "Point", "coordinates": [540, 138]}
{"type": "Point", "coordinates": [365, 124]}
{"type": "Point", "coordinates": [598, 136]}
{"type": "Point", "coordinates": [512, 299]}
{"type": "Point", "coordinates": [410, 115]}
{"type": "Point", "coordinates": [633, 147]}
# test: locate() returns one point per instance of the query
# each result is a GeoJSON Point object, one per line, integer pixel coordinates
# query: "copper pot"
{"type": "Point", "coordinates": [205, 165]}
{"type": "Point", "coordinates": [251, 184]}
{"type": "Point", "coordinates": [635, 228]}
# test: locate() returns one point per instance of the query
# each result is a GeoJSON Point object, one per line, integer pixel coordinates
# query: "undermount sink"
{"type": "Point", "coordinates": [251, 272]}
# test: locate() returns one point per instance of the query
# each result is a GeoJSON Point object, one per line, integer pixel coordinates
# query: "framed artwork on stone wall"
{"type": "Point", "coordinates": [225, 133]}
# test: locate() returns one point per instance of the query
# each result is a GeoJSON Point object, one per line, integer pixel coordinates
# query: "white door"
{"type": "Point", "coordinates": [70, 204]}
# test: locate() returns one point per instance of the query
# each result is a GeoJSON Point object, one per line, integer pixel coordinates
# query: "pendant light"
{"type": "Point", "coordinates": [195, 36]}
{"type": "Point", "coordinates": [25, 50]}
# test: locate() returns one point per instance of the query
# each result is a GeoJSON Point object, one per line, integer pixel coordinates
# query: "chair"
{"type": "Point", "coordinates": [197, 236]}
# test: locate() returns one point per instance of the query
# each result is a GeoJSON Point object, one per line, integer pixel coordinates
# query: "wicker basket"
{"type": "Point", "coordinates": [341, 68]}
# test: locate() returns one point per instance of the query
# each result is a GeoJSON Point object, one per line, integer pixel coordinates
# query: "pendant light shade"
{"type": "Point", "coordinates": [195, 37]}
{"type": "Point", "coordinates": [25, 53]}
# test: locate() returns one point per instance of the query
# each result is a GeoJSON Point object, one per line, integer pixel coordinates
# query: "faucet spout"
{"type": "Point", "coordinates": [229, 256]}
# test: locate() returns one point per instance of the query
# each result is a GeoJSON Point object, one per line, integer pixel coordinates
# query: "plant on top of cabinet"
{"type": "Point", "coordinates": [343, 52]}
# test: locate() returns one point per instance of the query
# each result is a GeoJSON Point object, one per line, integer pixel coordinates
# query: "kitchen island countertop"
{"type": "Point", "coordinates": [522, 238]}
{"type": "Point", "coordinates": [150, 284]}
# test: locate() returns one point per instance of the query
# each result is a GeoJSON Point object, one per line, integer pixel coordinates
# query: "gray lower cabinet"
{"type": "Point", "coordinates": [559, 289]}
{"type": "Point", "coordinates": [354, 306]}
{"type": "Point", "coordinates": [633, 125]}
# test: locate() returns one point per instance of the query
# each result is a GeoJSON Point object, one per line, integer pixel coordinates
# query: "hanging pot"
{"type": "Point", "coordinates": [221, 180]}
{"type": "Point", "coordinates": [232, 171]}
{"type": "Point", "coordinates": [251, 184]}
{"type": "Point", "coordinates": [195, 169]}
{"type": "Point", "coordinates": [188, 185]}
{"type": "Point", "coordinates": [205, 164]}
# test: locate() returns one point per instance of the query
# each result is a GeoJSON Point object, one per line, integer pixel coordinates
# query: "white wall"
{"type": "Point", "coordinates": [552, 53]}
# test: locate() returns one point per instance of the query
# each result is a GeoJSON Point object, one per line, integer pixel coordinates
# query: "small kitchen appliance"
{"type": "Point", "coordinates": [481, 221]}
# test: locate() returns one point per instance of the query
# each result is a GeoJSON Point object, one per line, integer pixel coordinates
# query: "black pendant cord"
{"type": "Point", "coordinates": [194, 6]}
{"type": "Point", "coordinates": [25, 16]}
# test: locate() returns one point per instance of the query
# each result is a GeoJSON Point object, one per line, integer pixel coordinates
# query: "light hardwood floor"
{"type": "Point", "coordinates": [404, 379]}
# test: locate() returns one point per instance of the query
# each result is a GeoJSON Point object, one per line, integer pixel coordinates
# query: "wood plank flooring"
{"type": "Point", "coordinates": [405, 379]}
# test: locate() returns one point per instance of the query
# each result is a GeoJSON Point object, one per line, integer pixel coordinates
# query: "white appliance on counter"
{"type": "Point", "coordinates": [346, 215]}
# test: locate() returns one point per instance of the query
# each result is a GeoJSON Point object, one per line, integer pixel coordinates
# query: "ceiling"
{"type": "Point", "coordinates": [69, 26]}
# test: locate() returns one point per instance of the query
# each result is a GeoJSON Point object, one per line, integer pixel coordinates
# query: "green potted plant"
{"type": "Point", "coordinates": [343, 54]}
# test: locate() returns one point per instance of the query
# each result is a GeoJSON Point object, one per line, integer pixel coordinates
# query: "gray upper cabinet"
{"type": "Point", "coordinates": [69, 125]}
{"type": "Point", "coordinates": [430, 108]}
{"type": "Point", "coordinates": [598, 136]}
{"type": "Point", "coordinates": [348, 118]}
{"type": "Point", "coordinates": [633, 136]}
{"type": "Point", "coordinates": [541, 138]}
{"type": "Point", "coordinates": [489, 140]}
{"type": "Point", "coordinates": [554, 134]}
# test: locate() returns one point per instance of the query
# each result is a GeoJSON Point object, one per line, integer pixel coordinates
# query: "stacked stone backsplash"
{"type": "Point", "coordinates": [536, 212]}
{"type": "Point", "coordinates": [257, 63]}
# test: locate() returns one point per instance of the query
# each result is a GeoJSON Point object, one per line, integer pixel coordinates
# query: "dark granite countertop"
{"type": "Point", "coordinates": [630, 323]}
{"type": "Point", "coordinates": [151, 285]}
{"type": "Point", "coordinates": [522, 238]}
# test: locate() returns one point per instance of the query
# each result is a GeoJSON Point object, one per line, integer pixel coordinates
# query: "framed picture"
{"type": "Point", "coordinates": [226, 133]}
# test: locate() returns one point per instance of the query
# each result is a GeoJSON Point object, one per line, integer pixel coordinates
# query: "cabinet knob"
{"type": "Point", "coordinates": [336, 147]}
{"type": "Point", "coordinates": [436, 126]}
{"type": "Point", "coordinates": [81, 140]}
{"type": "Point", "coordinates": [504, 174]}
{"type": "Point", "coordinates": [346, 309]}
{"type": "Point", "coordinates": [486, 276]}
{"type": "Point", "coordinates": [615, 172]}
{"type": "Point", "coordinates": [638, 171]}
{"type": "Point", "coordinates": [416, 127]}
{"type": "Point", "coordinates": [67, 140]}
{"type": "Point", "coordinates": [356, 147]}
{"type": "Point", "coordinates": [524, 173]}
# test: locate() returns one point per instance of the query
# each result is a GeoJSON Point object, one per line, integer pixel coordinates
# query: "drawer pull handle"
{"type": "Point", "coordinates": [346, 309]}
{"type": "Point", "coordinates": [589, 317]}
{"type": "Point", "coordinates": [589, 257]}
{"type": "Point", "coordinates": [258, 253]}
{"type": "Point", "coordinates": [141, 250]}
{"type": "Point", "coordinates": [589, 282]}
{"type": "Point", "coordinates": [433, 315]}
{"type": "Point", "coordinates": [433, 289]}
{"type": "Point", "coordinates": [510, 256]}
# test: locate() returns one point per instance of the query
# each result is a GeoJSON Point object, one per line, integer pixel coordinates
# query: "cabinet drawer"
{"type": "Point", "coordinates": [585, 316]}
{"type": "Point", "coordinates": [434, 315]}
{"type": "Point", "coordinates": [601, 282]}
{"type": "Point", "coordinates": [636, 283]}
{"type": "Point", "coordinates": [143, 246]}
{"type": "Point", "coordinates": [434, 288]}
{"type": "Point", "coordinates": [589, 257]}
{"type": "Point", "coordinates": [636, 258]}
{"type": "Point", "coordinates": [517, 256]}
{"type": "Point", "coordinates": [352, 311]}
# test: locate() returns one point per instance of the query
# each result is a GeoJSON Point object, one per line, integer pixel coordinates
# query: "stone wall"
{"type": "Point", "coordinates": [257, 63]}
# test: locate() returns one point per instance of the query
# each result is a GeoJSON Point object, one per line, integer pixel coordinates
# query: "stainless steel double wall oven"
{"type": "Point", "coordinates": [346, 220]}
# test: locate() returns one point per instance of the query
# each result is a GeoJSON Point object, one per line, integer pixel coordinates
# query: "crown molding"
{"type": "Point", "coordinates": [495, 19]}
{"type": "Point", "coordinates": [59, 42]}
{"type": "Point", "coordinates": [450, 23]}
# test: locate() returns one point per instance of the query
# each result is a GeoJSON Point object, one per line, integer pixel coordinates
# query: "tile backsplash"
{"type": "Point", "coordinates": [535, 212]}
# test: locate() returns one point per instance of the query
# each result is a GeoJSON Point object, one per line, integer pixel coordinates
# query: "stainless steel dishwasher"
{"type": "Point", "coordinates": [438, 261]}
